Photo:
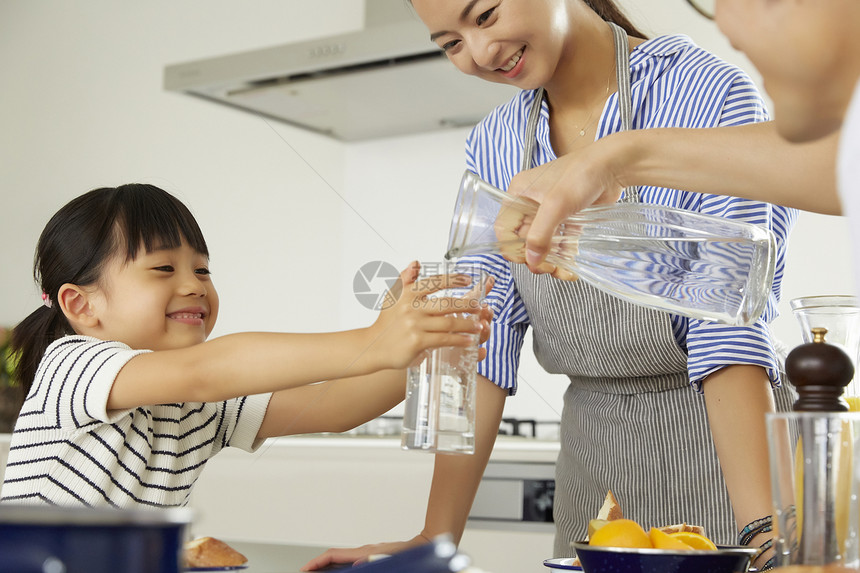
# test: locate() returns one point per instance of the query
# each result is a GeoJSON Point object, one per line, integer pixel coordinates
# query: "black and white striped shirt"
{"type": "Point", "coordinates": [68, 449]}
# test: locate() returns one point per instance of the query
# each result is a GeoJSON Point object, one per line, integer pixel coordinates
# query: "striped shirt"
{"type": "Point", "coordinates": [68, 449]}
{"type": "Point", "coordinates": [674, 84]}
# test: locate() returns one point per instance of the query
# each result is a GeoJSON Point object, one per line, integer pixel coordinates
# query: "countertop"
{"type": "Point", "coordinates": [275, 557]}
{"type": "Point", "coordinates": [297, 496]}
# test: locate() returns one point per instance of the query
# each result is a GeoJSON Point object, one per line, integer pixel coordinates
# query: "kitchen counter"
{"type": "Point", "coordinates": [299, 495]}
{"type": "Point", "coordinates": [342, 491]}
{"type": "Point", "coordinates": [275, 557]}
{"type": "Point", "coordinates": [285, 558]}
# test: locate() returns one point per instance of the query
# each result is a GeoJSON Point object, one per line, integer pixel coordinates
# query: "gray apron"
{"type": "Point", "coordinates": [631, 422]}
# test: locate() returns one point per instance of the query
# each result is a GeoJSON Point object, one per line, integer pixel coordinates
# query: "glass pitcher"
{"type": "Point", "coordinates": [669, 259]}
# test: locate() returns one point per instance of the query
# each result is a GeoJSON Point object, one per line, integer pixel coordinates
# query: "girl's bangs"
{"type": "Point", "coordinates": [154, 219]}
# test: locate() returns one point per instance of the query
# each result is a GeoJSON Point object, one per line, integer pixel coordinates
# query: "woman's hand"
{"type": "Point", "coordinates": [563, 187]}
{"type": "Point", "coordinates": [412, 323]}
{"type": "Point", "coordinates": [358, 555]}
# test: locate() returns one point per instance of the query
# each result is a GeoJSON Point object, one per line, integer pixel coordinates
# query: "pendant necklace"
{"type": "Point", "coordinates": [587, 123]}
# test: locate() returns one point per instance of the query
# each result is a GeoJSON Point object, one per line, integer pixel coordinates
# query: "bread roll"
{"type": "Point", "coordinates": [211, 552]}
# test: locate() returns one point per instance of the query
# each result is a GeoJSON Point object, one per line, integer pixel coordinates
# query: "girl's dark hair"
{"type": "Point", "coordinates": [607, 10]}
{"type": "Point", "coordinates": [77, 242]}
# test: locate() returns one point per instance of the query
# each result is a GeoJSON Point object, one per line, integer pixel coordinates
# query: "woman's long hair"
{"type": "Point", "coordinates": [607, 10]}
{"type": "Point", "coordinates": [77, 242]}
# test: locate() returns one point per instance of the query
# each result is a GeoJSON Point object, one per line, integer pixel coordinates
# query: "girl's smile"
{"type": "Point", "coordinates": [163, 299]}
{"type": "Point", "coordinates": [193, 316]}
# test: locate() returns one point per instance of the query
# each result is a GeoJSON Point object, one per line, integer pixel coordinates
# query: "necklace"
{"type": "Point", "coordinates": [585, 126]}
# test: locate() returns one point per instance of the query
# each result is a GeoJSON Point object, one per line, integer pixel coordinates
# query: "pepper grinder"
{"type": "Point", "coordinates": [819, 371]}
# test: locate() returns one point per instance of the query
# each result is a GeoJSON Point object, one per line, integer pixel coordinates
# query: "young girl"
{"type": "Point", "coordinates": [127, 400]}
{"type": "Point", "coordinates": [665, 411]}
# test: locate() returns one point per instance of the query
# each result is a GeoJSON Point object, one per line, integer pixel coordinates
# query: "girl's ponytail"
{"type": "Point", "coordinates": [31, 338]}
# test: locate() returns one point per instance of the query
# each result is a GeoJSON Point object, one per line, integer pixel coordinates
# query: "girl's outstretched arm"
{"type": "Point", "coordinates": [254, 363]}
{"type": "Point", "coordinates": [340, 405]}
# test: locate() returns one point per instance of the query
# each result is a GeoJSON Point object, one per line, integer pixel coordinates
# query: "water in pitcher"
{"type": "Point", "coordinates": [679, 261]}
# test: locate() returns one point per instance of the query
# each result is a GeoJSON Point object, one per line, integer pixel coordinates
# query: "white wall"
{"type": "Point", "coordinates": [289, 216]}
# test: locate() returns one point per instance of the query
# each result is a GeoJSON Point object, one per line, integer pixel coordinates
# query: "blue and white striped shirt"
{"type": "Point", "coordinates": [674, 84]}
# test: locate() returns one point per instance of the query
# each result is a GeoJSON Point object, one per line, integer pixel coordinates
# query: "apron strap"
{"type": "Point", "coordinates": [625, 105]}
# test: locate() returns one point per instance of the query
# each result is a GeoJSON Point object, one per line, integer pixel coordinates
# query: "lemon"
{"type": "Point", "coordinates": [621, 533]}
{"type": "Point", "coordinates": [662, 540]}
{"type": "Point", "coordinates": [694, 540]}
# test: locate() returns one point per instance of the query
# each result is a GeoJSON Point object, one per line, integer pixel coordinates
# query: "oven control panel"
{"type": "Point", "coordinates": [515, 495]}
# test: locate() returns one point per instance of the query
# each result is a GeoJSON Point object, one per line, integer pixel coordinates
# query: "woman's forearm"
{"type": "Point", "coordinates": [456, 478]}
{"type": "Point", "coordinates": [737, 398]}
{"type": "Point", "coordinates": [749, 161]}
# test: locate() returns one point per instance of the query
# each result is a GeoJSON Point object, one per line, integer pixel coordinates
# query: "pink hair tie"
{"type": "Point", "coordinates": [46, 300]}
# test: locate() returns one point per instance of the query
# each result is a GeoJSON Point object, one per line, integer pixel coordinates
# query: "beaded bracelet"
{"type": "Point", "coordinates": [768, 565]}
{"type": "Point", "coordinates": [764, 547]}
{"type": "Point", "coordinates": [752, 529]}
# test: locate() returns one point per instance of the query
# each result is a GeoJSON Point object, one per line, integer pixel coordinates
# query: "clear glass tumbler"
{"type": "Point", "coordinates": [439, 413]}
{"type": "Point", "coordinates": [840, 315]}
{"type": "Point", "coordinates": [669, 259]}
{"type": "Point", "coordinates": [815, 480]}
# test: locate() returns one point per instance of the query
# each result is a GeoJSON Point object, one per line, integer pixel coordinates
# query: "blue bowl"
{"type": "Point", "coordinates": [725, 559]}
{"type": "Point", "coordinates": [34, 539]}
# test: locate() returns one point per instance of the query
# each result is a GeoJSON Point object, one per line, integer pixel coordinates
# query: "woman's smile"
{"type": "Point", "coordinates": [514, 65]}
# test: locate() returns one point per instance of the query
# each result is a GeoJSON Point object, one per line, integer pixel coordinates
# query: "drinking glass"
{"type": "Point", "coordinates": [669, 259]}
{"type": "Point", "coordinates": [840, 315]}
{"type": "Point", "coordinates": [439, 414]}
{"type": "Point", "coordinates": [815, 479]}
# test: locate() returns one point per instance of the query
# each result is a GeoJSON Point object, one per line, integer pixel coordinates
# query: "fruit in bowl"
{"type": "Point", "coordinates": [628, 533]}
{"type": "Point", "coordinates": [619, 545]}
{"type": "Point", "coordinates": [602, 559]}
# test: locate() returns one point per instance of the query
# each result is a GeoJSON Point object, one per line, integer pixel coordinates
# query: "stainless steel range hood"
{"type": "Point", "coordinates": [387, 79]}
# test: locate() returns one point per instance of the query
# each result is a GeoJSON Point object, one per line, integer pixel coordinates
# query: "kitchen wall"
{"type": "Point", "coordinates": [290, 216]}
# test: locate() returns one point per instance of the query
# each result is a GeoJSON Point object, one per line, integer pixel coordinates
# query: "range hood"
{"type": "Point", "coordinates": [386, 79]}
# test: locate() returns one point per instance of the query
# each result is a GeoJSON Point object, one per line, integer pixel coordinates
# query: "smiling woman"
{"type": "Point", "coordinates": [682, 398]}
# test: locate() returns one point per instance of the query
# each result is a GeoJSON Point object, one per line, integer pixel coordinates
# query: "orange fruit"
{"type": "Point", "coordinates": [694, 540]}
{"type": "Point", "coordinates": [621, 533]}
{"type": "Point", "coordinates": [662, 540]}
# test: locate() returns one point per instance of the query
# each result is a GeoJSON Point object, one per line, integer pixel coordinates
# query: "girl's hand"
{"type": "Point", "coordinates": [486, 318]}
{"type": "Point", "coordinates": [411, 323]}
